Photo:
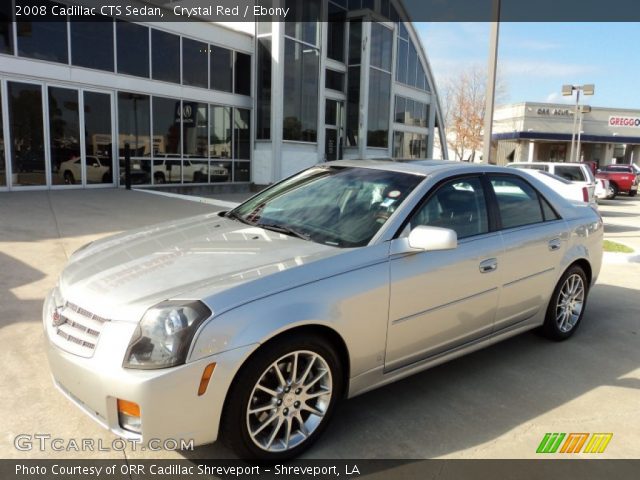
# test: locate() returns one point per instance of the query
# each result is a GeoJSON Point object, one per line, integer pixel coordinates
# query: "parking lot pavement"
{"type": "Point", "coordinates": [622, 220]}
{"type": "Point", "coordinates": [496, 403]}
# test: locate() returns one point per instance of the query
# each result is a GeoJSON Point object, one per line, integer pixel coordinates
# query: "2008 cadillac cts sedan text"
{"type": "Point", "coordinates": [249, 325]}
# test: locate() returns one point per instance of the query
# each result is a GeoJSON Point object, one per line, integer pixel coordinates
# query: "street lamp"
{"type": "Point", "coordinates": [567, 91]}
{"type": "Point", "coordinates": [583, 109]}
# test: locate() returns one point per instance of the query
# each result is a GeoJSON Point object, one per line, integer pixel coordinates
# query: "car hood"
{"type": "Point", "coordinates": [120, 277]}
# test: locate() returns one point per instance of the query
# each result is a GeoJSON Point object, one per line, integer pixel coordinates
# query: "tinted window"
{"type": "Point", "coordinates": [64, 134]}
{"type": "Point", "coordinates": [458, 205]}
{"type": "Point", "coordinates": [304, 20]}
{"type": "Point", "coordinates": [300, 92]}
{"type": "Point", "coordinates": [165, 56]}
{"type": "Point", "coordinates": [6, 31]}
{"type": "Point", "coordinates": [517, 202]}
{"type": "Point", "coordinates": [381, 43]}
{"type": "Point", "coordinates": [92, 44]}
{"type": "Point", "coordinates": [243, 74]}
{"type": "Point", "coordinates": [27, 139]}
{"type": "Point", "coordinates": [334, 80]}
{"type": "Point", "coordinates": [242, 134]}
{"type": "Point", "coordinates": [195, 129]}
{"type": "Point", "coordinates": [336, 32]}
{"type": "Point", "coordinates": [263, 103]}
{"type": "Point", "coordinates": [166, 126]}
{"type": "Point", "coordinates": [194, 63]}
{"type": "Point", "coordinates": [44, 39]}
{"type": "Point", "coordinates": [97, 133]}
{"type": "Point", "coordinates": [133, 49]}
{"type": "Point", "coordinates": [379, 95]}
{"type": "Point", "coordinates": [548, 211]}
{"type": "Point", "coordinates": [134, 129]}
{"type": "Point", "coordinates": [3, 167]}
{"type": "Point", "coordinates": [221, 68]}
{"type": "Point", "coordinates": [571, 173]}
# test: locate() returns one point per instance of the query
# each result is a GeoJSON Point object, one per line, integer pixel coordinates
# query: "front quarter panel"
{"type": "Point", "coordinates": [353, 303]}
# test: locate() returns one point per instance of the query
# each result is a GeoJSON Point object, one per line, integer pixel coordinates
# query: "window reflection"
{"type": "Point", "coordinates": [133, 49]}
{"type": "Point", "coordinates": [25, 123]}
{"type": "Point", "coordinates": [220, 143]}
{"type": "Point", "coordinates": [98, 138]}
{"type": "Point", "coordinates": [165, 56]}
{"type": "Point", "coordinates": [64, 136]}
{"type": "Point", "coordinates": [221, 62]}
{"type": "Point", "coordinates": [44, 39]}
{"type": "Point", "coordinates": [167, 166]}
{"type": "Point", "coordinates": [92, 43]}
{"type": "Point", "coordinates": [134, 129]}
{"type": "Point", "coordinates": [194, 63]}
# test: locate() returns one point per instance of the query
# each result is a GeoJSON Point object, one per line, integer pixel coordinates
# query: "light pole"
{"type": "Point", "coordinates": [583, 109]}
{"type": "Point", "coordinates": [567, 91]}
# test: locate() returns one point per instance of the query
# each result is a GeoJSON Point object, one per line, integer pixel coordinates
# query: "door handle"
{"type": "Point", "coordinates": [489, 265]}
{"type": "Point", "coordinates": [554, 244]}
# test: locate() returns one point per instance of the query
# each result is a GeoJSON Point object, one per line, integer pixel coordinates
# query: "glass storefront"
{"type": "Point", "coordinates": [64, 136]}
{"type": "Point", "coordinates": [27, 137]}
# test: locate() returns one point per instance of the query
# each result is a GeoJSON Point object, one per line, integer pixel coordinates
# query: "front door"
{"type": "Point", "coordinates": [443, 299]}
{"type": "Point", "coordinates": [333, 138]}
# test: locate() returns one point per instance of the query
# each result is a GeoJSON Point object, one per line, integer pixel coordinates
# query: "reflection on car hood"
{"type": "Point", "coordinates": [120, 277]}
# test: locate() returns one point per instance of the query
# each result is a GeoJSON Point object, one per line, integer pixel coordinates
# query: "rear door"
{"type": "Point", "coordinates": [534, 240]}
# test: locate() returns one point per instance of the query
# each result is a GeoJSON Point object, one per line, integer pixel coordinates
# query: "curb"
{"type": "Point", "coordinates": [619, 258]}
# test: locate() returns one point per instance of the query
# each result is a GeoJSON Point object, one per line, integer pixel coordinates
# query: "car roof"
{"type": "Point", "coordinates": [422, 167]}
{"type": "Point", "coordinates": [561, 164]}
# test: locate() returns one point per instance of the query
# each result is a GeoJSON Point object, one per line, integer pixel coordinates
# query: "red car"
{"type": "Point", "coordinates": [622, 178]}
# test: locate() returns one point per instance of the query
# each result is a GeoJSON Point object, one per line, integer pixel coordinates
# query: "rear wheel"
{"type": "Point", "coordinates": [567, 305]}
{"type": "Point", "coordinates": [614, 189]}
{"type": "Point", "coordinates": [632, 193]}
{"type": "Point", "coordinates": [282, 399]}
{"type": "Point", "coordinates": [158, 178]}
{"type": "Point", "coordinates": [69, 178]}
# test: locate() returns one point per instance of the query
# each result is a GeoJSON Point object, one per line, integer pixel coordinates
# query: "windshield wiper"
{"type": "Point", "coordinates": [234, 216]}
{"type": "Point", "coordinates": [284, 229]}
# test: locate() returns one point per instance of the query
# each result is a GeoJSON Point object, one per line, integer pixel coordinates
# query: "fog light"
{"type": "Point", "coordinates": [129, 416]}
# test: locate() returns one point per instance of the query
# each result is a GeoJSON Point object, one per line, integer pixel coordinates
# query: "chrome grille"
{"type": "Point", "coordinates": [77, 329]}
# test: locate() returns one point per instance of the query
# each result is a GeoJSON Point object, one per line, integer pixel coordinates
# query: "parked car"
{"type": "Point", "coordinates": [171, 170]}
{"type": "Point", "coordinates": [250, 325]}
{"type": "Point", "coordinates": [569, 190]}
{"type": "Point", "coordinates": [98, 170]}
{"type": "Point", "coordinates": [604, 190]}
{"type": "Point", "coordinates": [622, 178]}
{"type": "Point", "coordinates": [578, 173]}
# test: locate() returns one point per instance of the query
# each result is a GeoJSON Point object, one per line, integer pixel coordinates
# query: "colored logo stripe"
{"type": "Point", "coordinates": [598, 442]}
{"type": "Point", "coordinates": [574, 443]}
{"type": "Point", "coordinates": [550, 442]}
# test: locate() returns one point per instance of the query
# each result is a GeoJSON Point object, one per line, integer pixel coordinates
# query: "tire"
{"type": "Point", "coordinates": [632, 193]}
{"type": "Point", "coordinates": [262, 434]}
{"type": "Point", "coordinates": [611, 193]}
{"type": "Point", "coordinates": [69, 178]}
{"type": "Point", "coordinates": [614, 189]}
{"type": "Point", "coordinates": [158, 178]}
{"type": "Point", "coordinates": [563, 316]}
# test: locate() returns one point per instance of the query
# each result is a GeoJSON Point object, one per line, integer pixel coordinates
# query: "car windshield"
{"type": "Point", "coordinates": [337, 206]}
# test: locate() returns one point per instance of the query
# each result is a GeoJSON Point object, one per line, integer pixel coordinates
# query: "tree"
{"type": "Point", "coordinates": [464, 108]}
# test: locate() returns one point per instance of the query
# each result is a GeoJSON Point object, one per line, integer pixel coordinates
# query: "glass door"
{"type": "Point", "coordinates": [98, 138]}
{"type": "Point", "coordinates": [333, 137]}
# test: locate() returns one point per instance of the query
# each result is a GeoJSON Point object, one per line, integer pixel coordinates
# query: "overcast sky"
{"type": "Point", "coordinates": [536, 59]}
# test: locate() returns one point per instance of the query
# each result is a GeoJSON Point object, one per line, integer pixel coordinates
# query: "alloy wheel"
{"type": "Point", "coordinates": [289, 401]}
{"type": "Point", "coordinates": [570, 303]}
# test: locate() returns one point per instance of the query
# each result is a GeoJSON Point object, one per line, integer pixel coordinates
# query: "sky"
{"type": "Point", "coordinates": [536, 59]}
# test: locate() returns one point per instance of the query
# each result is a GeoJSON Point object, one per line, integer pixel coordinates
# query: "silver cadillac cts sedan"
{"type": "Point", "coordinates": [249, 325]}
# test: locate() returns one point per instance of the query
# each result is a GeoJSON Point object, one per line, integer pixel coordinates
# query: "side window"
{"type": "Point", "coordinates": [517, 201]}
{"type": "Point", "coordinates": [458, 205]}
{"type": "Point", "coordinates": [549, 213]}
{"type": "Point", "coordinates": [571, 173]}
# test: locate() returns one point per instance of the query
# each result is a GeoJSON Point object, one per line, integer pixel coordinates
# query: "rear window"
{"type": "Point", "coordinates": [573, 173]}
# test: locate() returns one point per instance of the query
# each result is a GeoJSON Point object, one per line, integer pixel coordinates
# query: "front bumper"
{"type": "Point", "coordinates": [170, 407]}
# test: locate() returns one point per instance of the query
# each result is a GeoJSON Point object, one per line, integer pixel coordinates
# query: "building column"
{"type": "Point", "coordinates": [532, 149]}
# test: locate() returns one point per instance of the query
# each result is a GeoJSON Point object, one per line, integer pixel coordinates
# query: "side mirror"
{"type": "Point", "coordinates": [428, 238]}
{"type": "Point", "coordinates": [425, 238]}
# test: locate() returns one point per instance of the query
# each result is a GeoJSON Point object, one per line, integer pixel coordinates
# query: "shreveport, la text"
{"type": "Point", "coordinates": [179, 469]}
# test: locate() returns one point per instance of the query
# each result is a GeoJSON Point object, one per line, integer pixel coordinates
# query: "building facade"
{"type": "Point", "coordinates": [541, 132]}
{"type": "Point", "coordinates": [204, 103]}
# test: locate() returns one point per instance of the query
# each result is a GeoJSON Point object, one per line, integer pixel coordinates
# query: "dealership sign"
{"type": "Point", "coordinates": [624, 122]}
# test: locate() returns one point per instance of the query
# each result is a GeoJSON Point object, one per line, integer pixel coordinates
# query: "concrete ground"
{"type": "Point", "coordinates": [496, 403]}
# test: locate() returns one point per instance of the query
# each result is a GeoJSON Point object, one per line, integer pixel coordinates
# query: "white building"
{"type": "Point", "coordinates": [210, 105]}
{"type": "Point", "coordinates": [532, 131]}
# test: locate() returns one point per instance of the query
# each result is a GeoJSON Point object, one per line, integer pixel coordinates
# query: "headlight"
{"type": "Point", "coordinates": [164, 334]}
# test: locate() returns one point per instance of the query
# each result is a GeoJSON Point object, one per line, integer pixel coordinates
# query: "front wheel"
{"type": "Point", "coordinates": [282, 399]}
{"type": "Point", "coordinates": [567, 305]}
